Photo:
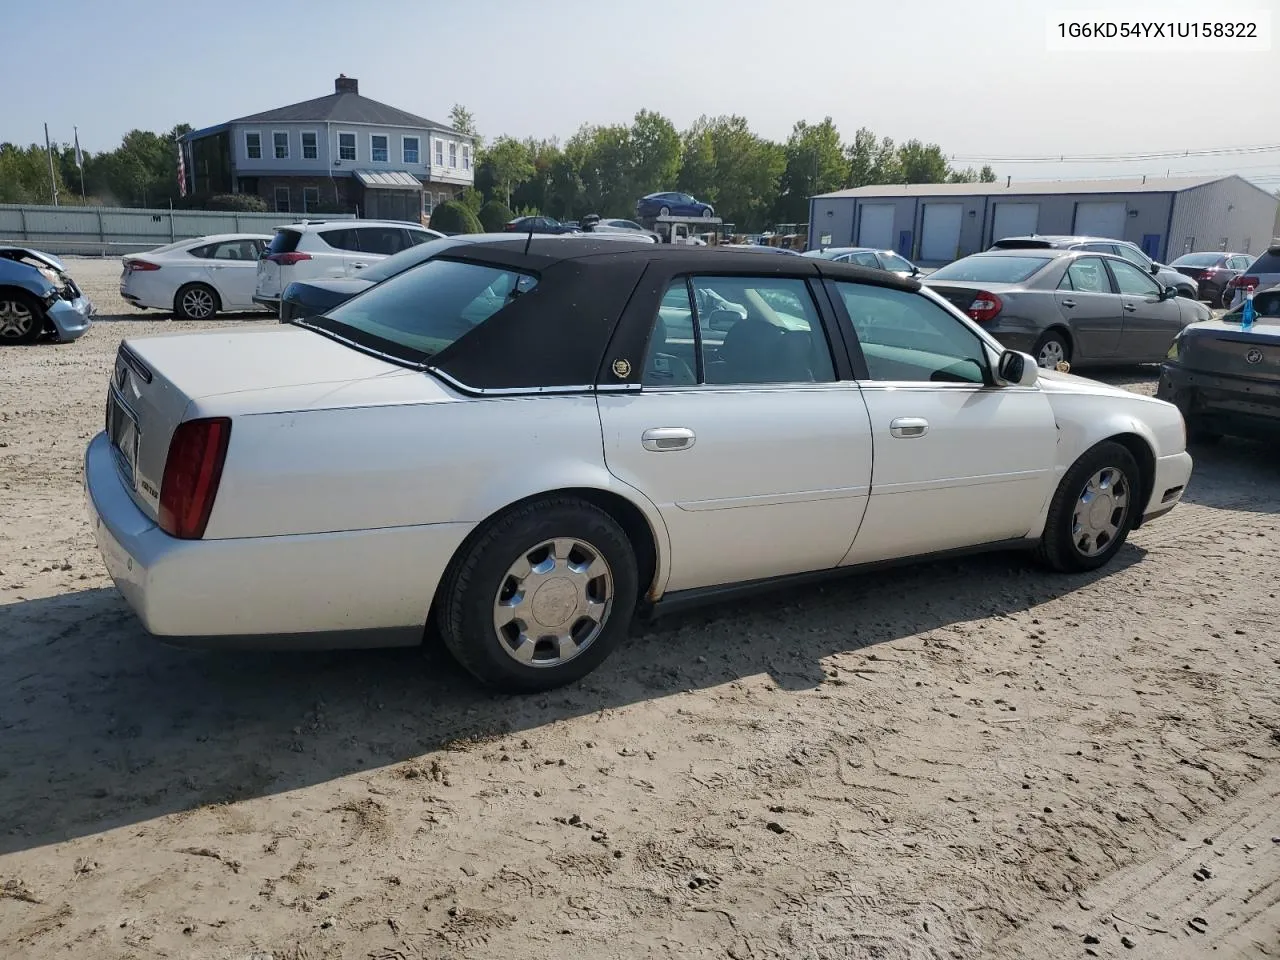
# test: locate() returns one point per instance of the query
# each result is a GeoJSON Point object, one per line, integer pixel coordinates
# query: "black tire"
{"type": "Point", "coordinates": [1048, 337]}
{"type": "Point", "coordinates": [664, 211]}
{"type": "Point", "coordinates": [184, 310]}
{"type": "Point", "coordinates": [1224, 298]}
{"type": "Point", "coordinates": [1058, 545]}
{"type": "Point", "coordinates": [13, 304]}
{"type": "Point", "coordinates": [708, 213]}
{"type": "Point", "coordinates": [1187, 292]}
{"type": "Point", "coordinates": [470, 588]}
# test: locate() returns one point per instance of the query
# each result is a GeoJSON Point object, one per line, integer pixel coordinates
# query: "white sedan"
{"type": "Point", "coordinates": [196, 279]}
{"type": "Point", "coordinates": [521, 443]}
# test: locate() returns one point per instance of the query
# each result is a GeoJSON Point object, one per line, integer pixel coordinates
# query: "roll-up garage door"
{"type": "Point", "coordinates": [1015, 220]}
{"type": "Point", "coordinates": [940, 233]}
{"type": "Point", "coordinates": [875, 229]}
{"type": "Point", "coordinates": [1100, 218]}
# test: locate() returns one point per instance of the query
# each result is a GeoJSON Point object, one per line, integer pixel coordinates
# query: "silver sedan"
{"type": "Point", "coordinates": [1084, 308]}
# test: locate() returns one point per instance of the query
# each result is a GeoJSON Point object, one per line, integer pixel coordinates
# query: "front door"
{"type": "Point", "coordinates": [757, 456]}
{"type": "Point", "coordinates": [1091, 309]}
{"type": "Point", "coordinates": [1150, 321]}
{"type": "Point", "coordinates": [958, 463]}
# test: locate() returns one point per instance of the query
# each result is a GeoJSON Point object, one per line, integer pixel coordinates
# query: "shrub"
{"type": "Point", "coordinates": [237, 202]}
{"type": "Point", "coordinates": [495, 215]}
{"type": "Point", "coordinates": [471, 198]}
{"type": "Point", "coordinates": [454, 217]}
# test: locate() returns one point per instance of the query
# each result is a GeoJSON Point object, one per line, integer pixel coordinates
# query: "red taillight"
{"type": "Point", "coordinates": [1242, 282]}
{"type": "Point", "coordinates": [191, 474]}
{"type": "Point", "coordinates": [985, 306]}
{"type": "Point", "coordinates": [142, 265]}
{"type": "Point", "coordinates": [288, 259]}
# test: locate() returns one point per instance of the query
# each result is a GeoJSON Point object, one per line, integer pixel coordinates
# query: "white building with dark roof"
{"type": "Point", "coordinates": [935, 223]}
{"type": "Point", "coordinates": [340, 152]}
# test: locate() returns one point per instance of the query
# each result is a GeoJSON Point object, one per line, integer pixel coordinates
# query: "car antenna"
{"type": "Point", "coordinates": [529, 239]}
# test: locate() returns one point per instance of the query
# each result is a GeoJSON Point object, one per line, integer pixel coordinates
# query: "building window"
{"type": "Point", "coordinates": [409, 150]}
{"type": "Point", "coordinates": [466, 157]}
{"type": "Point", "coordinates": [280, 141]}
{"type": "Point", "coordinates": [378, 148]}
{"type": "Point", "coordinates": [310, 146]}
{"type": "Point", "coordinates": [310, 198]}
{"type": "Point", "coordinates": [346, 146]}
{"type": "Point", "coordinates": [439, 153]}
{"type": "Point", "coordinates": [253, 145]}
{"type": "Point", "coordinates": [453, 155]}
{"type": "Point", "coordinates": [282, 199]}
{"type": "Point", "coordinates": [427, 205]}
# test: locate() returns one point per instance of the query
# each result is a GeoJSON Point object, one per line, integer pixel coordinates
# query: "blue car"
{"type": "Point", "coordinates": [38, 296]}
{"type": "Point", "coordinates": [672, 205]}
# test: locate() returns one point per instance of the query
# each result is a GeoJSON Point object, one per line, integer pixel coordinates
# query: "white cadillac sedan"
{"type": "Point", "coordinates": [195, 279]}
{"type": "Point", "coordinates": [521, 443]}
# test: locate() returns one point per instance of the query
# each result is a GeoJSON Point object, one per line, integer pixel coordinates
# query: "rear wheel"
{"type": "Point", "coordinates": [1093, 510]}
{"type": "Point", "coordinates": [664, 211]}
{"type": "Point", "coordinates": [707, 213]}
{"type": "Point", "coordinates": [1051, 349]}
{"type": "Point", "coordinates": [540, 597]}
{"type": "Point", "coordinates": [196, 301]}
{"type": "Point", "coordinates": [21, 318]}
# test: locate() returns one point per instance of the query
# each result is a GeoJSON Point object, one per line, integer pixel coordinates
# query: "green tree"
{"type": "Point", "coordinates": [967, 175]}
{"type": "Point", "coordinates": [24, 175]}
{"type": "Point", "coordinates": [472, 199]}
{"type": "Point", "coordinates": [655, 153]}
{"type": "Point", "coordinates": [537, 190]}
{"type": "Point", "coordinates": [731, 168]}
{"type": "Point", "coordinates": [453, 216]}
{"type": "Point", "coordinates": [815, 163]}
{"type": "Point", "coordinates": [987, 175]}
{"type": "Point", "coordinates": [460, 119]}
{"type": "Point", "coordinates": [922, 163]}
{"type": "Point", "coordinates": [872, 161]}
{"type": "Point", "coordinates": [495, 215]}
{"type": "Point", "coordinates": [511, 164]}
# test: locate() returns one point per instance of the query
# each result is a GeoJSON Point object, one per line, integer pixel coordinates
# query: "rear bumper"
{"type": "Point", "coordinates": [362, 588]}
{"type": "Point", "coordinates": [71, 319]}
{"type": "Point", "coordinates": [1226, 404]}
{"type": "Point", "coordinates": [271, 303]}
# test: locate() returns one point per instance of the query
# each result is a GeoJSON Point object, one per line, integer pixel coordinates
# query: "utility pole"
{"type": "Point", "coordinates": [53, 182]}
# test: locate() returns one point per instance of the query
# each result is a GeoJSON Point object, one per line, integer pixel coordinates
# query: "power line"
{"type": "Point", "coordinates": [1121, 157]}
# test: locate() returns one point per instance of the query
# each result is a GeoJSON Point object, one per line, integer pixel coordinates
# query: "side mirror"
{"type": "Point", "coordinates": [1155, 268]}
{"type": "Point", "coordinates": [915, 271]}
{"type": "Point", "coordinates": [722, 319]}
{"type": "Point", "coordinates": [1169, 293]}
{"type": "Point", "coordinates": [1016, 369]}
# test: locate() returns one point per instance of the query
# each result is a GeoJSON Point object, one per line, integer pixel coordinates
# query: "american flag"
{"type": "Point", "coordinates": [79, 155]}
{"type": "Point", "coordinates": [182, 171]}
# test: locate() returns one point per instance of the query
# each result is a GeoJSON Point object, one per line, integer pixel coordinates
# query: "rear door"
{"type": "Point", "coordinates": [233, 271]}
{"type": "Point", "coordinates": [1091, 308]}
{"type": "Point", "coordinates": [376, 243]}
{"type": "Point", "coordinates": [1150, 322]}
{"type": "Point", "coordinates": [755, 446]}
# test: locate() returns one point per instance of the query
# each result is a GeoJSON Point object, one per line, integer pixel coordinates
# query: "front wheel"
{"type": "Point", "coordinates": [1051, 349]}
{"type": "Point", "coordinates": [664, 211]}
{"type": "Point", "coordinates": [1093, 510]}
{"type": "Point", "coordinates": [20, 318]}
{"type": "Point", "coordinates": [707, 213]}
{"type": "Point", "coordinates": [541, 597]}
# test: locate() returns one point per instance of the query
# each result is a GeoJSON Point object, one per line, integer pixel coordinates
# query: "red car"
{"type": "Point", "coordinates": [1213, 271]}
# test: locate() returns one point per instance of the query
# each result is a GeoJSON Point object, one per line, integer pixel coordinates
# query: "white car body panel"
{"type": "Point", "coordinates": [350, 482]}
{"type": "Point", "coordinates": [233, 280]}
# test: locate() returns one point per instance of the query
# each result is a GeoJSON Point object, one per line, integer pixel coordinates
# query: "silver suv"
{"type": "Point", "coordinates": [310, 249]}
{"type": "Point", "coordinates": [1167, 276]}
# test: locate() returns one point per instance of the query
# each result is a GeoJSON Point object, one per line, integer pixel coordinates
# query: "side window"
{"type": "Point", "coordinates": [671, 358]}
{"type": "Point", "coordinates": [1097, 247]}
{"type": "Point", "coordinates": [345, 239]}
{"type": "Point", "coordinates": [891, 261]}
{"type": "Point", "coordinates": [906, 336]}
{"type": "Point", "coordinates": [864, 260]}
{"type": "Point", "coordinates": [203, 252]}
{"type": "Point", "coordinates": [235, 250]}
{"type": "Point", "coordinates": [1086, 275]}
{"type": "Point", "coordinates": [1134, 256]}
{"type": "Point", "coordinates": [1132, 281]}
{"type": "Point", "coordinates": [417, 236]}
{"type": "Point", "coordinates": [760, 330]}
{"type": "Point", "coordinates": [384, 240]}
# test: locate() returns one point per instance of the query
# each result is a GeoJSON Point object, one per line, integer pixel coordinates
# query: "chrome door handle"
{"type": "Point", "coordinates": [666, 439]}
{"type": "Point", "coordinates": [1130, 307]}
{"type": "Point", "coordinates": [907, 428]}
{"type": "Point", "coordinates": [1068, 303]}
{"type": "Point", "coordinates": [359, 266]}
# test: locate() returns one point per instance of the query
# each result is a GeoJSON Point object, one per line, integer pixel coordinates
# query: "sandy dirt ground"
{"type": "Point", "coordinates": [960, 760]}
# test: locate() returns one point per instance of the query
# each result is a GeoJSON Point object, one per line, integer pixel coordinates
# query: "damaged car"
{"type": "Point", "coordinates": [38, 297]}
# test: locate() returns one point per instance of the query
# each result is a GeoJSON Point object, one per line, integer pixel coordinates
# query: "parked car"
{"type": "Point", "coordinates": [506, 444]}
{"type": "Point", "coordinates": [868, 257]}
{"type": "Point", "coordinates": [594, 224]}
{"type": "Point", "coordinates": [1263, 272]}
{"type": "Point", "coordinates": [1225, 379]}
{"type": "Point", "coordinates": [1165, 276]}
{"type": "Point", "coordinates": [1086, 309]}
{"type": "Point", "coordinates": [672, 205]}
{"type": "Point", "coordinates": [333, 248]}
{"type": "Point", "coordinates": [38, 297]}
{"type": "Point", "coordinates": [310, 298]}
{"type": "Point", "coordinates": [196, 279]}
{"type": "Point", "coordinates": [538, 225]}
{"type": "Point", "coordinates": [1213, 272]}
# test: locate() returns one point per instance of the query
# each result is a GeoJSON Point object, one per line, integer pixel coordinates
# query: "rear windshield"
{"type": "Point", "coordinates": [1197, 260]}
{"type": "Point", "coordinates": [1017, 243]}
{"type": "Point", "coordinates": [414, 315]}
{"type": "Point", "coordinates": [285, 241]}
{"type": "Point", "coordinates": [991, 269]}
{"type": "Point", "coordinates": [1268, 262]}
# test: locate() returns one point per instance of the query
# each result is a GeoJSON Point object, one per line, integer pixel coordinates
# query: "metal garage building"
{"type": "Point", "coordinates": [935, 223]}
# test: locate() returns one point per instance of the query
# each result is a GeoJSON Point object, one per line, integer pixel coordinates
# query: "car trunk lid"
{"type": "Point", "coordinates": [158, 382]}
{"type": "Point", "coordinates": [962, 294]}
{"type": "Point", "coordinates": [1224, 348]}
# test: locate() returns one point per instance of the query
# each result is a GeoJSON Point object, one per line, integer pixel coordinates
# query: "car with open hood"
{"type": "Point", "coordinates": [39, 298]}
{"type": "Point", "coordinates": [519, 447]}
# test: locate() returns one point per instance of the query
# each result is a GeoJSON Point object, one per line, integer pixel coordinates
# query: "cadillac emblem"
{"type": "Point", "coordinates": [1254, 355]}
{"type": "Point", "coordinates": [622, 369]}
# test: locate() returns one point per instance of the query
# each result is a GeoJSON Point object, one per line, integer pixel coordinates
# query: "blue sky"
{"type": "Point", "coordinates": [974, 76]}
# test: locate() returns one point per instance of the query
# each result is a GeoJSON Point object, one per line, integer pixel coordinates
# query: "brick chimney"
{"type": "Point", "coordinates": [345, 84]}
